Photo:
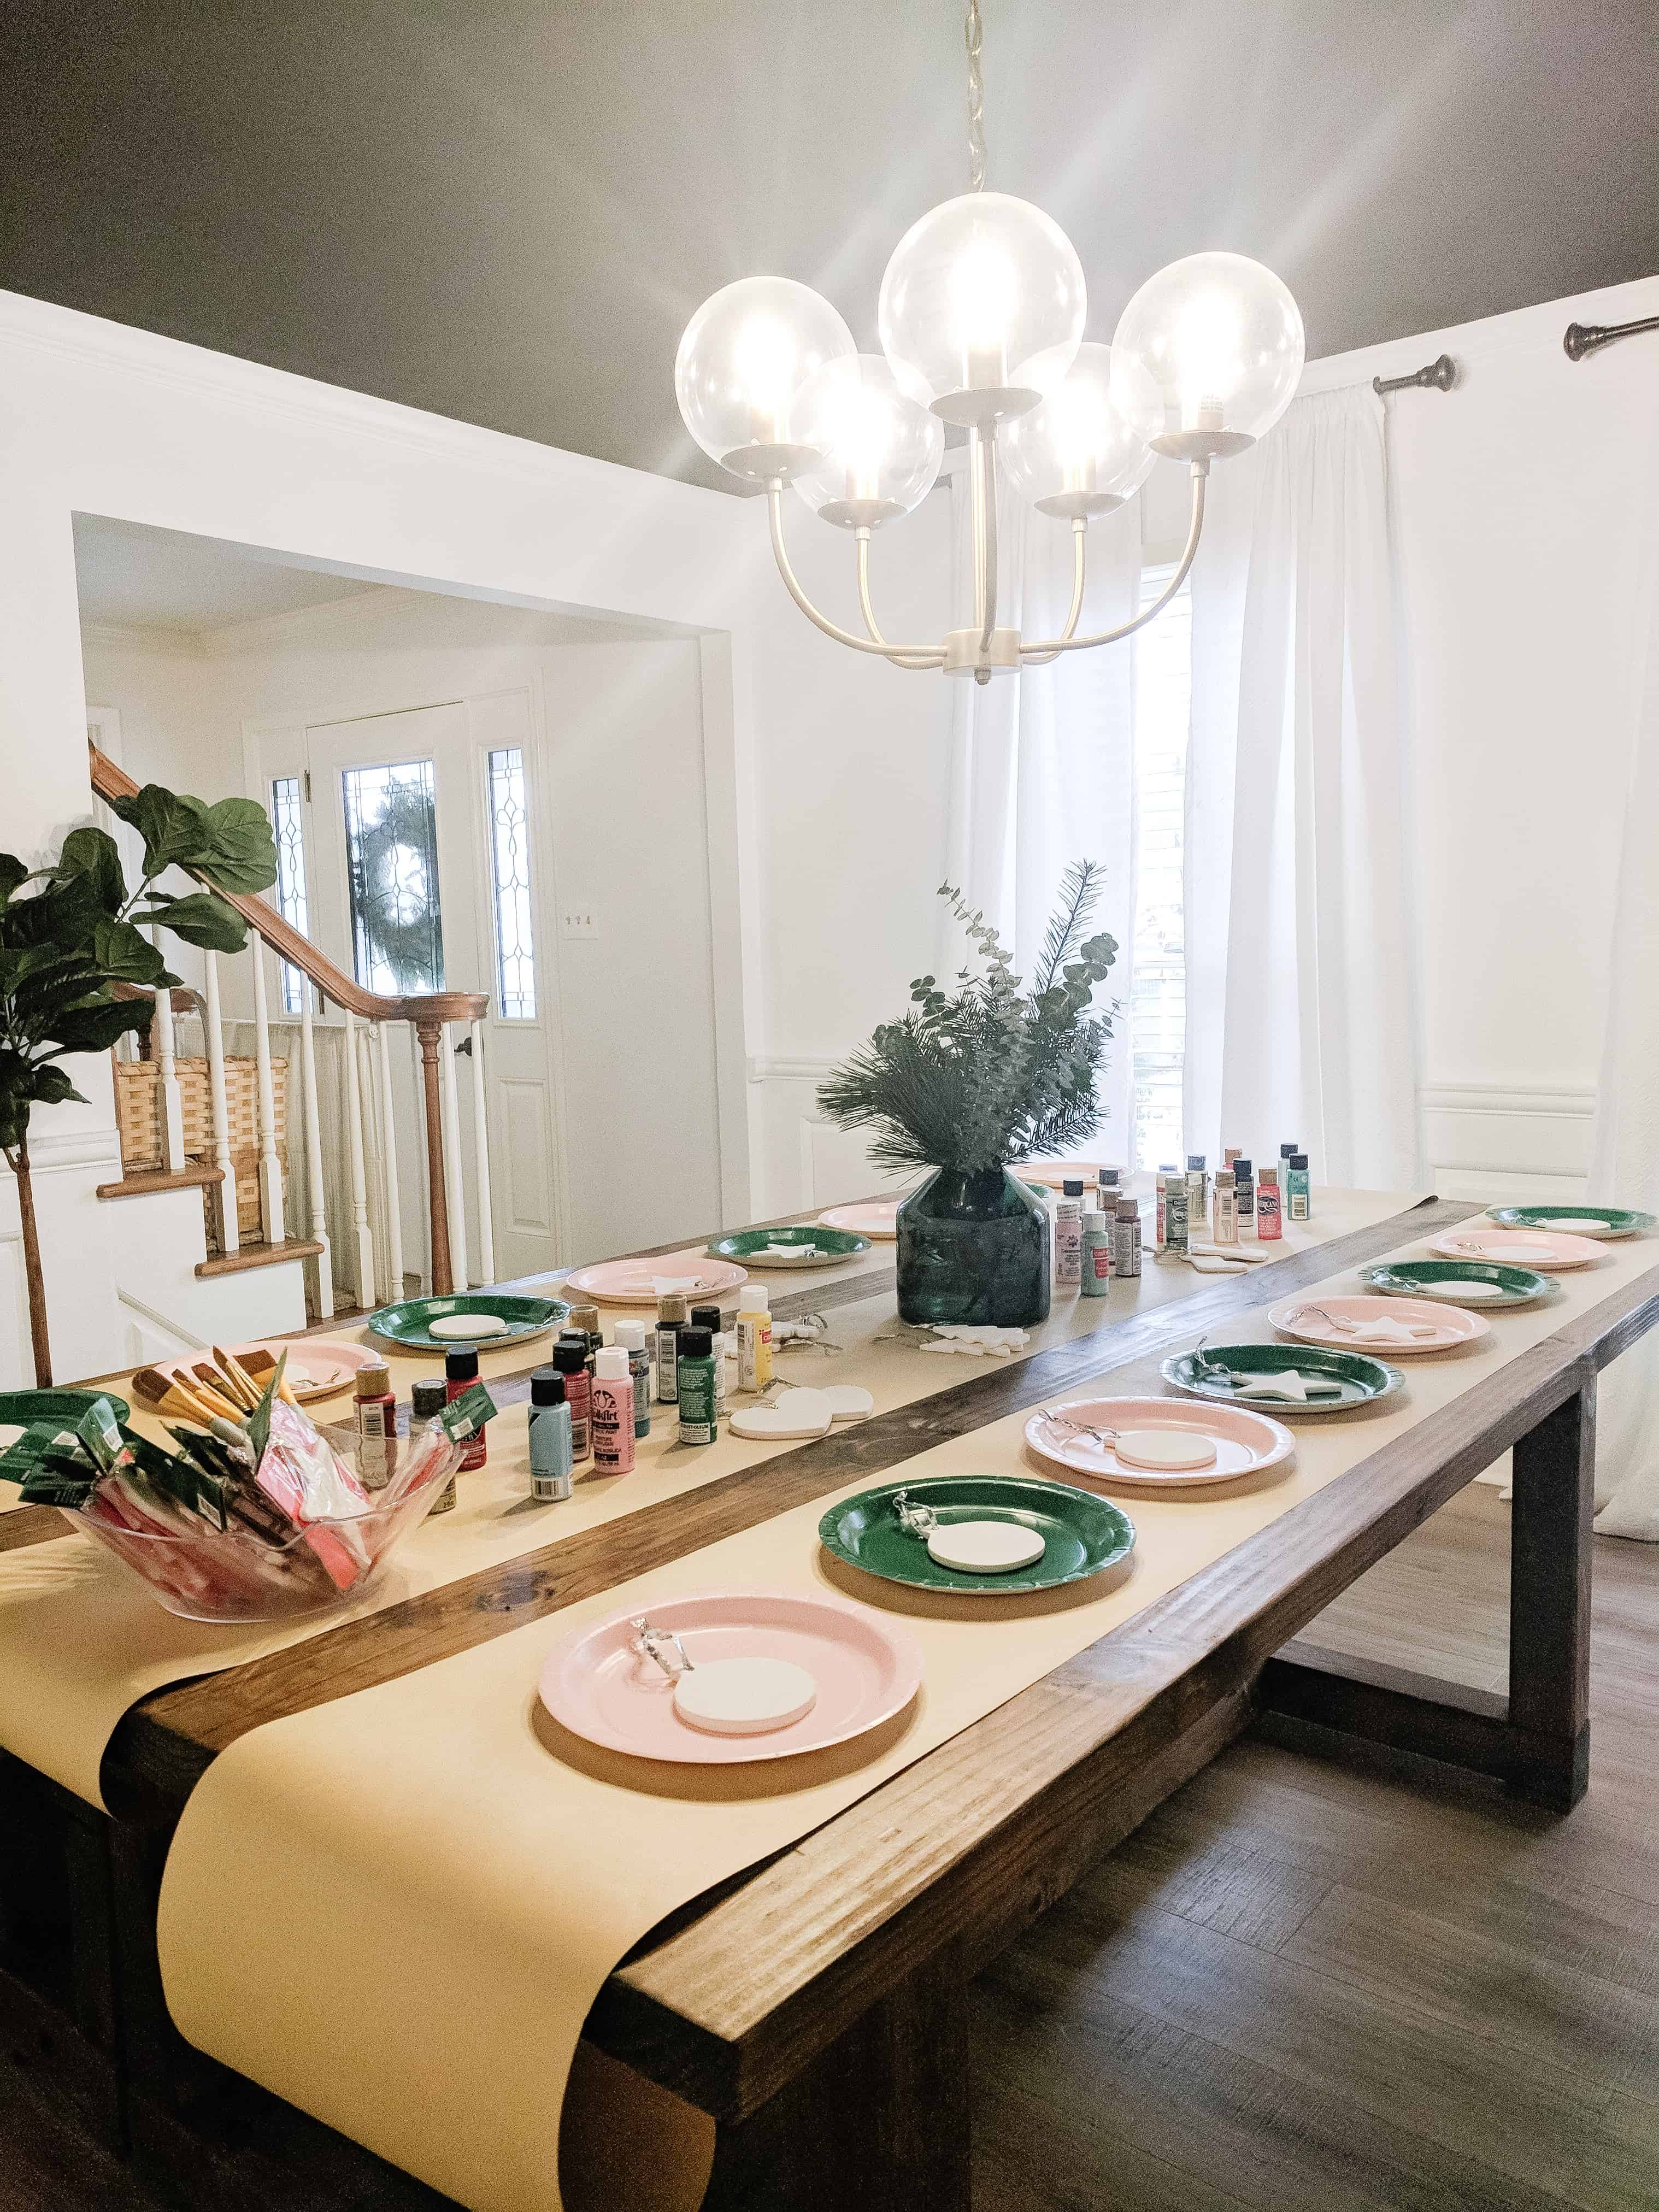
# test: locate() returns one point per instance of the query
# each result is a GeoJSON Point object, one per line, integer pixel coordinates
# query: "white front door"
{"type": "Point", "coordinates": [425, 875]}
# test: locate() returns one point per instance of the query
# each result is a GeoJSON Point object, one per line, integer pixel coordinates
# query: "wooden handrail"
{"type": "Point", "coordinates": [429, 1008]}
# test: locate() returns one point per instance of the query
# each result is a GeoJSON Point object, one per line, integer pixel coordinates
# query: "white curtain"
{"type": "Point", "coordinates": [1042, 763]}
{"type": "Point", "coordinates": [1299, 1002]}
{"type": "Point", "coordinates": [1625, 1142]}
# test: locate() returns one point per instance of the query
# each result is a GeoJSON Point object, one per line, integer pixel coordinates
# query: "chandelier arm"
{"type": "Point", "coordinates": [1048, 646]}
{"type": "Point", "coordinates": [903, 656]}
{"type": "Point", "coordinates": [985, 461]}
{"type": "Point", "coordinates": [870, 622]}
{"type": "Point", "coordinates": [1037, 658]}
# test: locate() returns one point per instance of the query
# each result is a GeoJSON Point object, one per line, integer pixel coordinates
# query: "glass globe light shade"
{"type": "Point", "coordinates": [1081, 453]}
{"type": "Point", "coordinates": [1221, 339]}
{"type": "Point", "coordinates": [880, 449]}
{"type": "Point", "coordinates": [744, 355]}
{"type": "Point", "coordinates": [982, 306]}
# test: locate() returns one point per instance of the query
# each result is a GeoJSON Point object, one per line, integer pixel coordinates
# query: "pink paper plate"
{"type": "Point", "coordinates": [873, 1220]}
{"type": "Point", "coordinates": [1373, 1322]}
{"type": "Point", "coordinates": [1245, 1442]}
{"type": "Point", "coordinates": [1509, 1247]}
{"type": "Point", "coordinates": [329, 1363]}
{"type": "Point", "coordinates": [633, 1282]}
{"type": "Point", "coordinates": [598, 1686]}
{"type": "Point", "coordinates": [1051, 1174]}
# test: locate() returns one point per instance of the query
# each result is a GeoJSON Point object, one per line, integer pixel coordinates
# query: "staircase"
{"type": "Point", "coordinates": [215, 1236]}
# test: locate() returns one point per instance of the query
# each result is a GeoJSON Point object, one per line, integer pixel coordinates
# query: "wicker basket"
{"type": "Point", "coordinates": [137, 1116]}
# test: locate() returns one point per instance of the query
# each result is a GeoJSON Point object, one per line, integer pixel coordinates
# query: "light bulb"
{"type": "Point", "coordinates": [877, 451]}
{"type": "Point", "coordinates": [744, 355]}
{"type": "Point", "coordinates": [1215, 346]}
{"type": "Point", "coordinates": [982, 306]}
{"type": "Point", "coordinates": [1081, 453]}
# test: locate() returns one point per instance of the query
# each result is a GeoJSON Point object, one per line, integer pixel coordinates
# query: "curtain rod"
{"type": "Point", "coordinates": [1582, 338]}
{"type": "Point", "coordinates": [1439, 376]}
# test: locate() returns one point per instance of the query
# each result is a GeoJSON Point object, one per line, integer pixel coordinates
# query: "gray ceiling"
{"type": "Point", "coordinates": [507, 212]}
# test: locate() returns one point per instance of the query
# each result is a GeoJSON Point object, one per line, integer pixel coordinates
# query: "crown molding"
{"type": "Point", "coordinates": [138, 637]}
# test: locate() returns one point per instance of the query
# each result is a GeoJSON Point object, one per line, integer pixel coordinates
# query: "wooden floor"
{"type": "Point", "coordinates": [1301, 1987]}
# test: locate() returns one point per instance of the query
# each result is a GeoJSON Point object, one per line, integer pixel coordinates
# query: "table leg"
{"type": "Point", "coordinates": [1536, 1741]}
{"type": "Point", "coordinates": [879, 2119]}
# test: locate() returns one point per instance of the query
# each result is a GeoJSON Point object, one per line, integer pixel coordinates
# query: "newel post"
{"type": "Point", "coordinates": [430, 1033]}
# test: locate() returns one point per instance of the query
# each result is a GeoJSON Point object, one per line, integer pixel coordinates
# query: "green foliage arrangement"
{"type": "Point", "coordinates": [68, 944]}
{"type": "Point", "coordinates": [994, 1072]}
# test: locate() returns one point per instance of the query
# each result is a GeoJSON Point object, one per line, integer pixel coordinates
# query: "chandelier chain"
{"type": "Point", "coordinates": [973, 33]}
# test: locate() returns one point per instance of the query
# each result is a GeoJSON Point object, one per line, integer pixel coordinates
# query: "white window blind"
{"type": "Point", "coordinates": [1158, 1002]}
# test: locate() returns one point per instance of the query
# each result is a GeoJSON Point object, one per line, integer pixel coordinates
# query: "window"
{"type": "Point", "coordinates": [391, 870]}
{"type": "Point", "coordinates": [509, 853]}
{"type": "Point", "coordinates": [1158, 1002]}
{"type": "Point", "coordinates": [287, 824]}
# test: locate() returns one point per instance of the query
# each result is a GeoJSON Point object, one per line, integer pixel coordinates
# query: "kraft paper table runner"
{"type": "Point", "coordinates": [81, 1641]}
{"type": "Point", "coordinates": [462, 1861]}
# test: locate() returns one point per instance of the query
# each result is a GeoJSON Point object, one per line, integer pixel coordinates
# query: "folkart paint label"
{"type": "Point", "coordinates": [1174, 1211]}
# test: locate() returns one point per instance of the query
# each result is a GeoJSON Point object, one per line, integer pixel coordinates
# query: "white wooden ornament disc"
{"type": "Point", "coordinates": [848, 1402]}
{"type": "Point", "coordinates": [1163, 1449]}
{"type": "Point", "coordinates": [792, 1414]}
{"type": "Point", "coordinates": [1459, 1292]}
{"type": "Point", "coordinates": [743, 1697]}
{"type": "Point", "coordinates": [468, 1325]}
{"type": "Point", "coordinates": [985, 1547]}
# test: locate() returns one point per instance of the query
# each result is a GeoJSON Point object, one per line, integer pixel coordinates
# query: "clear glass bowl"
{"type": "Point", "coordinates": [232, 1577]}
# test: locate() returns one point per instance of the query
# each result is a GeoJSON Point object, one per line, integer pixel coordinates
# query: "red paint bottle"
{"type": "Point", "coordinates": [460, 1373]}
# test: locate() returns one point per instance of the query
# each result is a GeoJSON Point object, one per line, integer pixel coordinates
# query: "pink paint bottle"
{"type": "Point", "coordinates": [613, 1412]}
{"type": "Point", "coordinates": [1268, 1224]}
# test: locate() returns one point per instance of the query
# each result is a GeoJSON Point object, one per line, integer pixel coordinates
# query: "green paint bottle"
{"type": "Point", "coordinates": [699, 1418]}
{"type": "Point", "coordinates": [1097, 1256]}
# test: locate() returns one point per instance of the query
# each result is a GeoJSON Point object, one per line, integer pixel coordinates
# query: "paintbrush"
{"type": "Point", "coordinates": [258, 1364]}
{"type": "Point", "coordinates": [172, 1394]}
{"type": "Point", "coordinates": [239, 1384]}
{"type": "Point", "coordinates": [210, 1389]}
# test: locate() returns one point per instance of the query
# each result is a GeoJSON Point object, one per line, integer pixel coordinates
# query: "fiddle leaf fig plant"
{"type": "Point", "coordinates": [72, 934]}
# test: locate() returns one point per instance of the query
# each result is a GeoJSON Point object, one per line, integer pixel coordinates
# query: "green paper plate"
{"type": "Point", "coordinates": [833, 1244]}
{"type": "Point", "coordinates": [1406, 1278]}
{"type": "Point", "coordinates": [1082, 1534]}
{"type": "Point", "coordinates": [23, 1407]}
{"type": "Point", "coordinates": [405, 1324]}
{"type": "Point", "coordinates": [1610, 1220]}
{"type": "Point", "coordinates": [1361, 1379]}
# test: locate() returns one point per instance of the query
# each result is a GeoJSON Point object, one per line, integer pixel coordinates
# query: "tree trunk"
{"type": "Point", "coordinates": [19, 1163]}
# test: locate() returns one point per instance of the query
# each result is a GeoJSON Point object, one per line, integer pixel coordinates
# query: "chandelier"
{"type": "Point", "coordinates": [981, 318]}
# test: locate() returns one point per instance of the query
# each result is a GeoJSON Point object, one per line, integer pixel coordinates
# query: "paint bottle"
{"type": "Point", "coordinates": [1176, 1236]}
{"type": "Point", "coordinates": [551, 1451]}
{"type": "Point", "coordinates": [1161, 1224]}
{"type": "Point", "coordinates": [1244, 1190]}
{"type": "Point", "coordinates": [613, 1412]}
{"type": "Point", "coordinates": [377, 1426]}
{"type": "Point", "coordinates": [571, 1361]}
{"type": "Point", "coordinates": [460, 1373]}
{"type": "Point", "coordinates": [1231, 1155]}
{"type": "Point", "coordinates": [700, 1422]}
{"type": "Point", "coordinates": [1226, 1207]}
{"type": "Point", "coordinates": [1108, 1192]}
{"type": "Point", "coordinates": [1299, 1194]}
{"type": "Point", "coordinates": [630, 1336]}
{"type": "Point", "coordinates": [1285, 1153]}
{"type": "Point", "coordinates": [710, 1317]}
{"type": "Point", "coordinates": [1068, 1232]}
{"type": "Point", "coordinates": [1097, 1259]}
{"type": "Point", "coordinates": [670, 1320]}
{"type": "Point", "coordinates": [1268, 1226]}
{"type": "Point", "coordinates": [754, 1340]}
{"type": "Point", "coordinates": [586, 1318]}
{"type": "Point", "coordinates": [427, 1400]}
{"type": "Point", "coordinates": [1198, 1195]}
{"type": "Point", "coordinates": [1126, 1239]}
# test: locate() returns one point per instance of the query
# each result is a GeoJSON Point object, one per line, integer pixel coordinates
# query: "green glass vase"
{"type": "Point", "coordinates": [973, 1248]}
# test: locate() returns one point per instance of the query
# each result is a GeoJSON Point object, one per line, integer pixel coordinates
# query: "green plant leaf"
{"type": "Point", "coordinates": [95, 1029]}
{"type": "Point", "coordinates": [12, 872]}
{"type": "Point", "coordinates": [51, 1087]}
{"type": "Point", "coordinates": [94, 853]}
{"type": "Point", "coordinates": [242, 855]}
{"type": "Point", "coordinates": [125, 955]}
{"type": "Point", "coordinates": [174, 827]}
{"type": "Point", "coordinates": [201, 918]}
{"type": "Point", "coordinates": [64, 916]}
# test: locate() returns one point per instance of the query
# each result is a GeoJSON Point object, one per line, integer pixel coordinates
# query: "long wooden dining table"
{"type": "Point", "coordinates": [830, 1977]}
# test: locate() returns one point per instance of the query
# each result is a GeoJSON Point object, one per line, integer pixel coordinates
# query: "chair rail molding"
{"type": "Point", "coordinates": [1532, 1135]}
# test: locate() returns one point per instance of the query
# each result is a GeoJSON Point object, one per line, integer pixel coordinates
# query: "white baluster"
{"type": "Point", "coordinates": [362, 1234]}
{"type": "Point", "coordinates": [170, 1113]}
{"type": "Point", "coordinates": [394, 1210]}
{"type": "Point", "coordinates": [369, 1090]}
{"type": "Point", "coordinates": [270, 1167]}
{"type": "Point", "coordinates": [319, 1209]}
{"type": "Point", "coordinates": [453, 1179]}
{"type": "Point", "coordinates": [229, 1229]}
{"type": "Point", "coordinates": [418, 1078]}
{"type": "Point", "coordinates": [481, 1147]}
